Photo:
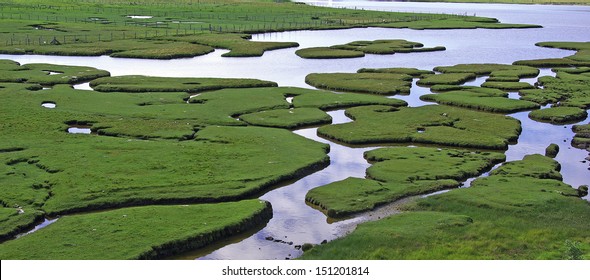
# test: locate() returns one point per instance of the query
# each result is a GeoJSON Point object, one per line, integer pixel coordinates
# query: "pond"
{"type": "Point", "coordinates": [294, 222]}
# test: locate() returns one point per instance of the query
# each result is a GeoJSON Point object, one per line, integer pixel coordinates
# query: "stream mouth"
{"type": "Point", "coordinates": [45, 223]}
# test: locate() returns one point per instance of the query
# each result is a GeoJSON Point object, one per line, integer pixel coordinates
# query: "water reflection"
{"type": "Point", "coordinates": [79, 130]}
{"type": "Point", "coordinates": [293, 221]}
{"type": "Point", "coordinates": [48, 105]}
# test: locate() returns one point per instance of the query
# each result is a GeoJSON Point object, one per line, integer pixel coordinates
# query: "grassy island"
{"type": "Point", "coordinates": [360, 48]}
{"type": "Point", "coordinates": [433, 124]}
{"type": "Point", "coordinates": [400, 172]}
{"type": "Point", "coordinates": [521, 211]}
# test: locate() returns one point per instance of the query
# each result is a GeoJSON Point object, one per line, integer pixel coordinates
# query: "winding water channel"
{"type": "Point", "coordinates": [294, 222]}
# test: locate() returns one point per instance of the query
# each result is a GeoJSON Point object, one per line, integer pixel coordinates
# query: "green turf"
{"type": "Point", "coordinates": [328, 53]}
{"type": "Point", "coordinates": [374, 83]}
{"type": "Point", "coordinates": [359, 48]}
{"type": "Point", "coordinates": [161, 84]}
{"type": "Point", "coordinates": [400, 172]}
{"type": "Point", "coordinates": [582, 137]}
{"type": "Point", "coordinates": [579, 59]}
{"type": "Point", "coordinates": [16, 220]}
{"type": "Point", "coordinates": [559, 115]}
{"type": "Point", "coordinates": [516, 213]}
{"type": "Point", "coordinates": [570, 87]}
{"type": "Point", "coordinates": [47, 74]}
{"type": "Point", "coordinates": [446, 79]}
{"type": "Point", "coordinates": [491, 69]}
{"type": "Point", "coordinates": [432, 124]}
{"type": "Point", "coordinates": [482, 99]}
{"type": "Point", "coordinates": [508, 86]}
{"type": "Point", "coordinates": [184, 29]}
{"type": "Point", "coordinates": [417, 73]}
{"type": "Point", "coordinates": [288, 118]}
{"type": "Point", "coordinates": [129, 233]}
{"type": "Point", "coordinates": [552, 150]}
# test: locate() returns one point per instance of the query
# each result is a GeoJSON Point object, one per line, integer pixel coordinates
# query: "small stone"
{"type": "Point", "coordinates": [269, 238]}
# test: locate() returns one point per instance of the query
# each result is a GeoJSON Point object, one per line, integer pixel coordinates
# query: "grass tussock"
{"type": "Point", "coordinates": [442, 125]}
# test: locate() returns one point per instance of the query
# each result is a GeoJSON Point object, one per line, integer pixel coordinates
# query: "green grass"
{"type": "Point", "coordinates": [374, 83]}
{"type": "Point", "coordinates": [446, 79]}
{"type": "Point", "coordinates": [400, 172]}
{"type": "Point", "coordinates": [129, 233]}
{"type": "Point", "coordinates": [417, 73]}
{"type": "Point", "coordinates": [508, 86]}
{"type": "Point", "coordinates": [328, 53]}
{"type": "Point", "coordinates": [570, 87]}
{"type": "Point", "coordinates": [491, 69]}
{"type": "Point", "coordinates": [582, 138]}
{"type": "Point", "coordinates": [559, 115]}
{"type": "Point", "coordinates": [238, 44]}
{"type": "Point", "coordinates": [14, 220]}
{"type": "Point", "coordinates": [326, 100]}
{"type": "Point", "coordinates": [450, 23]}
{"type": "Point", "coordinates": [552, 150]}
{"type": "Point", "coordinates": [47, 74]}
{"type": "Point", "coordinates": [482, 99]}
{"type": "Point", "coordinates": [359, 48]}
{"type": "Point", "coordinates": [161, 84]}
{"type": "Point", "coordinates": [128, 48]}
{"type": "Point", "coordinates": [433, 124]}
{"type": "Point", "coordinates": [185, 29]}
{"type": "Point", "coordinates": [579, 59]}
{"type": "Point", "coordinates": [40, 175]}
{"type": "Point", "coordinates": [288, 118]}
{"type": "Point", "coordinates": [512, 214]}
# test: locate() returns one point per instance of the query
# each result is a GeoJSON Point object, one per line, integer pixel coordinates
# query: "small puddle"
{"type": "Point", "coordinates": [49, 105]}
{"type": "Point", "coordinates": [140, 17]}
{"type": "Point", "coordinates": [84, 86]}
{"type": "Point", "coordinates": [53, 73]}
{"type": "Point", "coordinates": [188, 100]}
{"type": "Point", "coordinates": [79, 130]}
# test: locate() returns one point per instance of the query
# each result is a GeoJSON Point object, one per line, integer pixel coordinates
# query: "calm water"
{"type": "Point", "coordinates": [294, 222]}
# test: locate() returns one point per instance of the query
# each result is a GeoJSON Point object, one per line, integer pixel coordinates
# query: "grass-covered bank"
{"type": "Point", "coordinates": [158, 140]}
{"type": "Point", "coordinates": [374, 83]}
{"type": "Point", "coordinates": [521, 211]}
{"type": "Point", "coordinates": [360, 48]}
{"type": "Point", "coordinates": [579, 59]}
{"type": "Point", "coordinates": [433, 124]}
{"type": "Point", "coordinates": [401, 172]}
{"type": "Point", "coordinates": [174, 29]}
{"type": "Point", "coordinates": [483, 99]}
{"type": "Point", "coordinates": [129, 233]}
